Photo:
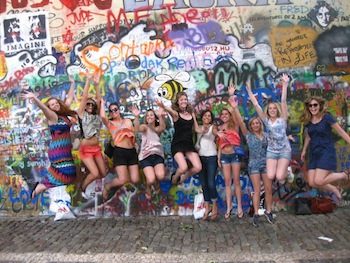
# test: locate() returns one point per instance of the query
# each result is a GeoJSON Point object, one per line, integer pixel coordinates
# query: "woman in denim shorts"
{"type": "Point", "coordinates": [257, 142]}
{"type": "Point", "coordinates": [228, 137]}
{"type": "Point", "coordinates": [275, 118]}
{"type": "Point", "coordinates": [151, 155]}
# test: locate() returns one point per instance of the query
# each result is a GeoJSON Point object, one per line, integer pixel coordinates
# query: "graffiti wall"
{"type": "Point", "coordinates": [153, 49]}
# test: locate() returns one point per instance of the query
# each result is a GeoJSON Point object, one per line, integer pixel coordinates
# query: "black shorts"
{"type": "Point", "coordinates": [151, 160]}
{"type": "Point", "coordinates": [123, 156]}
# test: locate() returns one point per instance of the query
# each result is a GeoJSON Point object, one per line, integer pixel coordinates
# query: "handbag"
{"type": "Point", "coordinates": [198, 207]}
{"type": "Point", "coordinates": [321, 205]}
{"type": "Point", "coordinates": [302, 206]}
{"type": "Point", "coordinates": [239, 151]}
{"type": "Point", "coordinates": [197, 146]}
{"type": "Point", "coordinates": [109, 149]}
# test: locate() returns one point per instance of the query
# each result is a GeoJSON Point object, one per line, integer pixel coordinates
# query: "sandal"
{"type": "Point", "coordinates": [105, 193]}
{"type": "Point", "coordinates": [228, 214]}
{"type": "Point", "coordinates": [347, 172]}
{"type": "Point", "coordinates": [240, 215]}
{"type": "Point", "coordinates": [177, 180]}
{"type": "Point", "coordinates": [206, 214]}
{"type": "Point", "coordinates": [157, 190]}
{"type": "Point", "coordinates": [33, 195]}
{"type": "Point", "coordinates": [148, 195]}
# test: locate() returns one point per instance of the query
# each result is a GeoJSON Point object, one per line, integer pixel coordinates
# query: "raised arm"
{"type": "Point", "coordinates": [103, 112]}
{"type": "Point", "coordinates": [196, 127]}
{"type": "Point", "coordinates": [240, 122]}
{"type": "Point", "coordinates": [161, 127]}
{"type": "Point", "coordinates": [174, 114]}
{"type": "Point", "coordinates": [50, 115]}
{"type": "Point", "coordinates": [255, 102]}
{"type": "Point", "coordinates": [70, 94]}
{"type": "Point", "coordinates": [85, 94]}
{"type": "Point", "coordinates": [97, 78]}
{"type": "Point", "coordinates": [285, 81]}
{"type": "Point", "coordinates": [138, 128]}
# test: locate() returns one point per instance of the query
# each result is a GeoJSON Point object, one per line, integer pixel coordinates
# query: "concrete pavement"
{"type": "Point", "coordinates": [177, 239]}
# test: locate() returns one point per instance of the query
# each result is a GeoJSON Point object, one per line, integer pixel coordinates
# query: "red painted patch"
{"type": "Point", "coordinates": [71, 4]}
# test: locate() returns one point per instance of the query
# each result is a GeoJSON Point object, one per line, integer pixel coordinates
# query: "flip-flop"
{"type": "Point", "coordinates": [177, 181]}
{"type": "Point", "coordinates": [33, 195]}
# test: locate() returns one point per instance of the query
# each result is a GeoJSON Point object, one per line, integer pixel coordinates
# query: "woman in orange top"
{"type": "Point", "coordinates": [124, 156]}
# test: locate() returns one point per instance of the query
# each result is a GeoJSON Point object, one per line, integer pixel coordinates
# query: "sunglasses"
{"type": "Point", "coordinates": [90, 104]}
{"type": "Point", "coordinates": [113, 110]}
{"type": "Point", "coordinates": [313, 105]}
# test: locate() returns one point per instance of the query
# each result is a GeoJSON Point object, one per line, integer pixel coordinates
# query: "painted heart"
{"type": "Point", "coordinates": [71, 4]}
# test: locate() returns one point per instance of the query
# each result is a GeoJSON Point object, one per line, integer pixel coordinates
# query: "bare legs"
{"type": "Point", "coordinates": [123, 173]}
{"type": "Point", "coordinates": [183, 172]}
{"type": "Point", "coordinates": [227, 168]}
{"type": "Point", "coordinates": [322, 179]}
{"type": "Point", "coordinates": [97, 169]}
{"type": "Point", "coordinates": [153, 176]}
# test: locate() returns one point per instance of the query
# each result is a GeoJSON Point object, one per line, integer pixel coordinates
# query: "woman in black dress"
{"type": "Point", "coordinates": [182, 146]}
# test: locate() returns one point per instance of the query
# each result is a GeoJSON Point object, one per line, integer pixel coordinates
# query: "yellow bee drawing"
{"type": "Point", "coordinates": [172, 86]}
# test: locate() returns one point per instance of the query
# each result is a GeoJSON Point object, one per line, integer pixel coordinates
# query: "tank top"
{"type": "Point", "coordinates": [183, 131]}
{"type": "Point", "coordinates": [207, 143]}
{"type": "Point", "coordinates": [150, 144]}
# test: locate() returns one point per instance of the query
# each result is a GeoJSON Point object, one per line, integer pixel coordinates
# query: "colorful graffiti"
{"type": "Point", "coordinates": [154, 49]}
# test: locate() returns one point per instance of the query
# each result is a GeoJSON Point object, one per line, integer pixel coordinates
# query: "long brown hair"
{"type": "Point", "coordinates": [306, 116]}
{"type": "Point", "coordinates": [64, 109]}
{"type": "Point", "coordinates": [175, 103]}
{"type": "Point", "coordinates": [231, 123]}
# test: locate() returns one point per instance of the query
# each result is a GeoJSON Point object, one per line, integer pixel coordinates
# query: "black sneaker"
{"type": "Point", "coordinates": [269, 217]}
{"type": "Point", "coordinates": [256, 220]}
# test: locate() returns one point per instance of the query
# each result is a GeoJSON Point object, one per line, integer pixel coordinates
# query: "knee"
{"type": "Point", "coordinates": [123, 181]}
{"type": "Point", "coordinates": [151, 181]}
{"type": "Point", "coordinates": [316, 183]}
{"type": "Point", "coordinates": [134, 180]}
{"type": "Point", "coordinates": [160, 176]}
{"type": "Point", "coordinates": [182, 168]}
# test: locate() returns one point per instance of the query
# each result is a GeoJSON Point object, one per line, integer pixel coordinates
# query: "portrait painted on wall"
{"type": "Point", "coordinates": [25, 31]}
{"type": "Point", "coordinates": [323, 14]}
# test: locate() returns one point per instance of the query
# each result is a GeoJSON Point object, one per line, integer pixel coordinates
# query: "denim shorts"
{"type": "Point", "coordinates": [257, 170]}
{"type": "Point", "coordinates": [230, 158]}
{"type": "Point", "coordinates": [151, 160]}
{"type": "Point", "coordinates": [277, 156]}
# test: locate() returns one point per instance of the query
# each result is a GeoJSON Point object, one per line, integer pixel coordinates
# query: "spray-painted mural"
{"type": "Point", "coordinates": [154, 49]}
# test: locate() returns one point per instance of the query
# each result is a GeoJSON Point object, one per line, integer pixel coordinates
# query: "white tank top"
{"type": "Point", "coordinates": [207, 143]}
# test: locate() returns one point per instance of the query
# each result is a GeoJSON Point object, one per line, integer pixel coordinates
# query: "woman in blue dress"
{"type": "Point", "coordinates": [318, 124]}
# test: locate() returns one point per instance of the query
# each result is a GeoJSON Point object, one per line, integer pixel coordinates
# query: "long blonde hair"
{"type": "Point", "coordinates": [250, 125]}
{"type": "Point", "coordinates": [278, 106]}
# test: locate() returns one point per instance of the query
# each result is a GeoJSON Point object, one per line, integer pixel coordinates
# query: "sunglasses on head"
{"type": "Point", "coordinates": [113, 110]}
{"type": "Point", "coordinates": [90, 104]}
{"type": "Point", "coordinates": [313, 105]}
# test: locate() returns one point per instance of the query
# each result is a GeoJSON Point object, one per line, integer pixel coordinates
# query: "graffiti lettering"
{"type": "Point", "coordinates": [130, 5]}
{"type": "Point", "coordinates": [82, 18]}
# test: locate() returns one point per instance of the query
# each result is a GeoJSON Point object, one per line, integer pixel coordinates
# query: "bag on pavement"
{"type": "Point", "coordinates": [198, 207]}
{"type": "Point", "coordinates": [321, 205]}
{"type": "Point", "coordinates": [302, 206]}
